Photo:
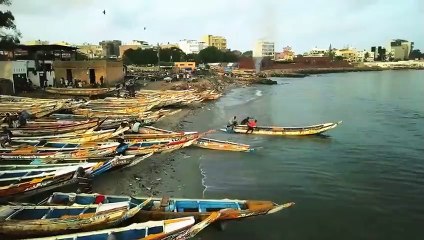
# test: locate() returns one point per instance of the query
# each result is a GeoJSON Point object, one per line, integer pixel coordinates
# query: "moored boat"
{"type": "Point", "coordinates": [178, 228]}
{"type": "Point", "coordinates": [79, 91]}
{"type": "Point", "coordinates": [167, 208]}
{"type": "Point", "coordinates": [286, 131]}
{"type": "Point", "coordinates": [33, 221]}
{"type": "Point", "coordinates": [214, 144]}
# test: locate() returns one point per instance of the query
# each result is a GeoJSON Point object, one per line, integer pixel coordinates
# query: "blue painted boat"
{"type": "Point", "coordinates": [167, 208]}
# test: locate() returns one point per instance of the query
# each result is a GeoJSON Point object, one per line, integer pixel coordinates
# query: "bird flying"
{"type": "Point", "coordinates": [104, 12]}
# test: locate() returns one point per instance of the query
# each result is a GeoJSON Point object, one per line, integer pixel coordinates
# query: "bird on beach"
{"type": "Point", "coordinates": [104, 12]}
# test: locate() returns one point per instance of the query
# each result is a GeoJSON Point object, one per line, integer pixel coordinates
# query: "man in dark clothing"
{"type": "Point", "coordinates": [22, 119]}
{"type": "Point", "coordinates": [244, 121]}
{"type": "Point", "coordinates": [8, 120]}
{"type": "Point", "coordinates": [6, 136]}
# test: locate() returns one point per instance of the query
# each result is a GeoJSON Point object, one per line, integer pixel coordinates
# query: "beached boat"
{"type": "Point", "coordinates": [214, 144]}
{"type": "Point", "coordinates": [33, 221]}
{"type": "Point", "coordinates": [18, 189]}
{"type": "Point", "coordinates": [80, 91]}
{"type": "Point", "coordinates": [52, 129]}
{"type": "Point", "coordinates": [31, 152]}
{"type": "Point", "coordinates": [68, 138]}
{"type": "Point", "coordinates": [286, 131]}
{"type": "Point", "coordinates": [168, 208]}
{"type": "Point", "coordinates": [13, 176]}
{"type": "Point", "coordinates": [173, 229]}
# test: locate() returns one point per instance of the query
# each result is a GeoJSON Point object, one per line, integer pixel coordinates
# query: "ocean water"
{"type": "Point", "coordinates": [361, 180]}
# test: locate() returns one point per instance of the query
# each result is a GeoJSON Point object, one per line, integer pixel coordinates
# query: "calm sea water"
{"type": "Point", "coordinates": [362, 180]}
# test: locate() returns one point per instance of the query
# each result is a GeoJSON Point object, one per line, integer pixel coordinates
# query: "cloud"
{"type": "Point", "coordinates": [299, 23]}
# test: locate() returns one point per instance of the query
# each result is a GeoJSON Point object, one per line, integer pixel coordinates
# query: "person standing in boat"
{"type": "Point", "coordinates": [244, 121]}
{"type": "Point", "coordinates": [232, 123]}
{"type": "Point", "coordinates": [251, 125]}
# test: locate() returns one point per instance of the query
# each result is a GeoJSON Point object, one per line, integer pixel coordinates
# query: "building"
{"type": "Point", "coordinates": [91, 51]}
{"type": "Point", "coordinates": [191, 46]}
{"type": "Point", "coordinates": [34, 62]}
{"type": "Point", "coordinates": [168, 45]}
{"type": "Point", "coordinates": [348, 54]}
{"type": "Point", "coordinates": [135, 44]}
{"type": "Point", "coordinates": [379, 53]}
{"type": "Point", "coordinates": [263, 49]}
{"type": "Point", "coordinates": [110, 48]}
{"type": "Point", "coordinates": [316, 52]}
{"type": "Point", "coordinates": [287, 55]}
{"type": "Point", "coordinates": [36, 42]}
{"type": "Point", "coordinates": [90, 72]}
{"type": "Point", "coordinates": [13, 77]}
{"type": "Point", "coordinates": [215, 41]}
{"type": "Point", "coordinates": [400, 49]}
{"type": "Point", "coordinates": [183, 66]}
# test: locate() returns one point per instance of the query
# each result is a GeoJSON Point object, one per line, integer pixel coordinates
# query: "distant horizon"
{"type": "Point", "coordinates": [301, 24]}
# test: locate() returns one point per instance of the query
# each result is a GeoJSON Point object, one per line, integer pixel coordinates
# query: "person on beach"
{"type": "Point", "coordinates": [136, 127]}
{"type": "Point", "coordinates": [244, 121]}
{"type": "Point", "coordinates": [22, 119]}
{"type": "Point", "coordinates": [8, 120]}
{"type": "Point", "coordinates": [251, 125]}
{"type": "Point", "coordinates": [6, 135]}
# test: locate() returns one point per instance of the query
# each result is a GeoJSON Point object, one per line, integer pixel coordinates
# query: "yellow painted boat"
{"type": "Point", "coordinates": [286, 131]}
{"type": "Point", "coordinates": [214, 144]}
{"type": "Point", "coordinates": [80, 91]}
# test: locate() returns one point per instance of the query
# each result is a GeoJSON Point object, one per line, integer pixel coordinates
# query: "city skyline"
{"type": "Point", "coordinates": [300, 24]}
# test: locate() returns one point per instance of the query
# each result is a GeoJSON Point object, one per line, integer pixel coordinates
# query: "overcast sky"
{"type": "Point", "coordinates": [302, 24]}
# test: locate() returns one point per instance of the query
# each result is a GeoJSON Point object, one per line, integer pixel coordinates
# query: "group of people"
{"type": "Point", "coordinates": [78, 83]}
{"type": "Point", "coordinates": [12, 121]}
{"type": "Point", "coordinates": [250, 122]}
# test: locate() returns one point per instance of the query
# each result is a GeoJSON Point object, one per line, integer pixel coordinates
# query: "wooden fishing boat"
{"type": "Point", "coordinates": [178, 228]}
{"type": "Point", "coordinates": [29, 166]}
{"type": "Point", "coordinates": [80, 91]}
{"type": "Point", "coordinates": [286, 131]}
{"type": "Point", "coordinates": [214, 144]}
{"type": "Point", "coordinates": [33, 152]}
{"type": "Point", "coordinates": [168, 208]}
{"type": "Point", "coordinates": [69, 138]}
{"type": "Point", "coordinates": [58, 129]}
{"type": "Point", "coordinates": [35, 185]}
{"type": "Point", "coordinates": [13, 176]}
{"type": "Point", "coordinates": [33, 221]}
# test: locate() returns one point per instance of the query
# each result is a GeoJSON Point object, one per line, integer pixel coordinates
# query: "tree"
{"type": "Point", "coordinates": [210, 55]}
{"type": "Point", "coordinates": [140, 56]}
{"type": "Point", "coordinates": [229, 57]}
{"type": "Point", "coordinates": [172, 54]}
{"type": "Point", "coordinates": [192, 57]}
{"type": "Point", "coordinates": [247, 54]}
{"type": "Point", "coordinates": [416, 53]}
{"type": "Point", "coordinates": [9, 35]}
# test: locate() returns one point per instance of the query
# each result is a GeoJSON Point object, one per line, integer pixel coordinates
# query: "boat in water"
{"type": "Point", "coordinates": [168, 208]}
{"type": "Point", "coordinates": [285, 131]}
{"type": "Point", "coordinates": [33, 221]}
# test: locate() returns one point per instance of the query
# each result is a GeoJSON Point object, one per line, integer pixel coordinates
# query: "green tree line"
{"type": "Point", "coordinates": [150, 56]}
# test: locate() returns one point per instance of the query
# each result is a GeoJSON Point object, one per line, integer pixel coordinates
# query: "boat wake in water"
{"type": "Point", "coordinates": [258, 93]}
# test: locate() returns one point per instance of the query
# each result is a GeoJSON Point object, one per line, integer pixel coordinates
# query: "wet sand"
{"type": "Point", "coordinates": [171, 174]}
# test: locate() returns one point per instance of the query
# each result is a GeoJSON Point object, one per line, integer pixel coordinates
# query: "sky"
{"type": "Point", "coordinates": [301, 24]}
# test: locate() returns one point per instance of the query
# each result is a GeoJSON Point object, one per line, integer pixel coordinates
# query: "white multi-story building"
{"type": "Point", "coordinates": [316, 52]}
{"type": "Point", "coordinates": [191, 46]}
{"type": "Point", "coordinates": [400, 49]}
{"type": "Point", "coordinates": [263, 49]}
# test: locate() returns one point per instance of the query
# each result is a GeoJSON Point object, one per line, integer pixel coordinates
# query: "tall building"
{"type": "Point", "coordinates": [215, 41]}
{"type": "Point", "coordinates": [110, 48]}
{"type": "Point", "coordinates": [135, 44]}
{"type": "Point", "coordinates": [191, 46]}
{"type": "Point", "coordinates": [263, 49]}
{"type": "Point", "coordinates": [400, 49]}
